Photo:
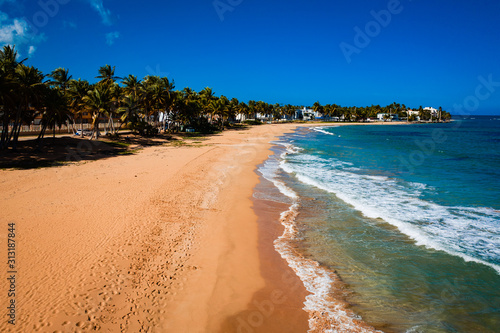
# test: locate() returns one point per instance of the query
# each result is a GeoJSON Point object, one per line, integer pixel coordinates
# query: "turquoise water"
{"type": "Point", "coordinates": [407, 216]}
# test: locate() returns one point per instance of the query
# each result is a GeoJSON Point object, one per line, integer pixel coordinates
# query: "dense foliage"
{"type": "Point", "coordinates": [145, 106]}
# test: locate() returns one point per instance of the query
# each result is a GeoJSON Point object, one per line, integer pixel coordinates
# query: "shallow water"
{"type": "Point", "coordinates": [407, 216]}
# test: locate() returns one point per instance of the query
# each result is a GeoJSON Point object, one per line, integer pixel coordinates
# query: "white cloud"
{"type": "Point", "coordinates": [104, 13]}
{"type": "Point", "coordinates": [17, 32]}
{"type": "Point", "coordinates": [111, 37]}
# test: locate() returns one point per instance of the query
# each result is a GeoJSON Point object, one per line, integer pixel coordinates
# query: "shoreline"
{"type": "Point", "coordinates": [277, 306]}
{"type": "Point", "coordinates": [325, 301]}
{"type": "Point", "coordinates": [165, 239]}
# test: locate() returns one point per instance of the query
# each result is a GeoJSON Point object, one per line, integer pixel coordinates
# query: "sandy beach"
{"type": "Point", "coordinates": [165, 240]}
{"type": "Point", "coordinates": [168, 239]}
{"type": "Point", "coordinates": [194, 167]}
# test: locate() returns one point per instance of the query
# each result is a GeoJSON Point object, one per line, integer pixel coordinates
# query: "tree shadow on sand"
{"type": "Point", "coordinates": [62, 150]}
{"type": "Point", "coordinates": [58, 151]}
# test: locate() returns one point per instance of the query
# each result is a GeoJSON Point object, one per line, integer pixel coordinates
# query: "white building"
{"type": "Point", "coordinates": [414, 113]}
{"type": "Point", "coordinates": [258, 116]}
{"type": "Point", "coordinates": [262, 116]}
{"type": "Point", "coordinates": [387, 117]}
{"type": "Point", "coordinates": [434, 112]}
{"type": "Point", "coordinates": [240, 117]}
{"type": "Point", "coordinates": [307, 114]}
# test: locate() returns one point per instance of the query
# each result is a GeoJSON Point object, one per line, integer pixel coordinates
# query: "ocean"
{"type": "Point", "coordinates": [397, 225]}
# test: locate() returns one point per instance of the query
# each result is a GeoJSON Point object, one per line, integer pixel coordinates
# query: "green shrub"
{"type": "Point", "coordinates": [252, 122]}
{"type": "Point", "coordinates": [143, 128]}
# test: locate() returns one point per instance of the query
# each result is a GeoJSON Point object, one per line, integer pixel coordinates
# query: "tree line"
{"type": "Point", "coordinates": [145, 106]}
{"type": "Point", "coordinates": [361, 114]}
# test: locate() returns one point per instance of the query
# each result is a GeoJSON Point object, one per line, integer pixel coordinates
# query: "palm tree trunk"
{"type": "Point", "coordinates": [98, 132]}
{"type": "Point", "coordinates": [5, 134]}
{"type": "Point", "coordinates": [107, 129]}
{"type": "Point", "coordinates": [73, 126]}
{"type": "Point", "coordinates": [113, 130]}
{"type": "Point", "coordinates": [42, 132]}
{"type": "Point", "coordinates": [16, 136]}
{"type": "Point", "coordinates": [81, 125]}
{"type": "Point", "coordinates": [95, 126]}
{"type": "Point", "coordinates": [40, 136]}
{"type": "Point", "coordinates": [15, 127]}
{"type": "Point", "coordinates": [9, 137]}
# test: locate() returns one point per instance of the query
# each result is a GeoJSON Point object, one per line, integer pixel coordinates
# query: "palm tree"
{"type": "Point", "coordinates": [97, 101]}
{"type": "Point", "coordinates": [290, 110]}
{"type": "Point", "coordinates": [9, 101]}
{"type": "Point", "coordinates": [243, 110]}
{"type": "Point", "coordinates": [317, 106]}
{"type": "Point", "coordinates": [116, 96]}
{"type": "Point", "coordinates": [28, 94]}
{"type": "Point", "coordinates": [252, 105]}
{"type": "Point", "coordinates": [8, 59]}
{"type": "Point", "coordinates": [129, 110]}
{"type": "Point", "coordinates": [227, 111]}
{"type": "Point", "coordinates": [60, 78]}
{"type": "Point", "coordinates": [132, 86]}
{"type": "Point", "coordinates": [166, 100]}
{"type": "Point", "coordinates": [150, 94]}
{"type": "Point", "coordinates": [55, 111]}
{"type": "Point", "coordinates": [218, 107]}
{"type": "Point", "coordinates": [107, 74]}
{"type": "Point", "coordinates": [206, 97]}
{"type": "Point", "coordinates": [233, 107]}
{"type": "Point", "coordinates": [160, 100]}
{"type": "Point", "coordinates": [347, 113]}
{"type": "Point", "coordinates": [167, 84]}
{"type": "Point", "coordinates": [424, 114]}
{"type": "Point", "coordinates": [77, 90]}
{"type": "Point", "coordinates": [177, 105]}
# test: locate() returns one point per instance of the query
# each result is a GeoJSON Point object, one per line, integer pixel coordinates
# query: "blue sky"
{"type": "Point", "coordinates": [419, 52]}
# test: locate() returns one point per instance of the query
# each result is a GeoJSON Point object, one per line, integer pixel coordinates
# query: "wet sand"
{"type": "Point", "coordinates": [278, 306]}
{"type": "Point", "coordinates": [165, 240]}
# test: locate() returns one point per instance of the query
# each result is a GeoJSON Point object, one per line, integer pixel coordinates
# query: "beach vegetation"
{"type": "Point", "coordinates": [252, 122]}
{"type": "Point", "coordinates": [147, 107]}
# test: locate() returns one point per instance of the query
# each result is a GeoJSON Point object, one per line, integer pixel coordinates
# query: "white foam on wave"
{"type": "Point", "coordinates": [322, 130]}
{"type": "Point", "coordinates": [325, 313]}
{"type": "Point", "coordinates": [268, 171]}
{"type": "Point", "coordinates": [468, 232]}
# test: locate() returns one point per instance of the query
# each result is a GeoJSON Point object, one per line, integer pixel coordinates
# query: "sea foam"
{"type": "Point", "coordinates": [322, 130]}
{"type": "Point", "coordinates": [469, 232]}
{"type": "Point", "coordinates": [326, 314]}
